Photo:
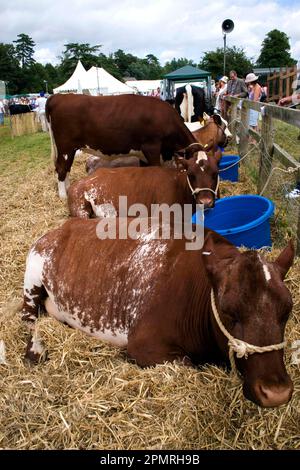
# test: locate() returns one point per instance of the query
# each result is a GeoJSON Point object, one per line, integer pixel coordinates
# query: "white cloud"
{"type": "Point", "coordinates": [166, 28]}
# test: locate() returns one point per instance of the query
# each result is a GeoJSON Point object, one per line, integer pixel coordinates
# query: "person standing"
{"type": "Point", "coordinates": [255, 92]}
{"type": "Point", "coordinates": [237, 88]}
{"type": "Point", "coordinates": [220, 93]}
{"type": "Point", "coordinates": [41, 111]}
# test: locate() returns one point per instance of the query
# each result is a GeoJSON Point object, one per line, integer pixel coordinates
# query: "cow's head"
{"type": "Point", "coordinates": [224, 135]}
{"type": "Point", "coordinates": [202, 173]}
{"type": "Point", "coordinates": [254, 305]}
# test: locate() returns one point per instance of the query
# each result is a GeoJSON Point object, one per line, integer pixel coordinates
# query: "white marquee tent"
{"type": "Point", "coordinates": [96, 81]}
{"type": "Point", "coordinates": [144, 86]}
{"type": "Point", "coordinates": [74, 83]}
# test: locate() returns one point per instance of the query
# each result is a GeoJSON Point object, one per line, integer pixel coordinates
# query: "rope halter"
{"type": "Point", "coordinates": [198, 190]}
{"type": "Point", "coordinates": [239, 347]}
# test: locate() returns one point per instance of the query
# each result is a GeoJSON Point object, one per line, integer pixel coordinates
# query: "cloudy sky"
{"type": "Point", "coordinates": [165, 28]}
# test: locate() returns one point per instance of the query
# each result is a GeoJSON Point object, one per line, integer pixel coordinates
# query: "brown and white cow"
{"type": "Point", "coordinates": [195, 181]}
{"type": "Point", "coordinates": [152, 296]}
{"type": "Point", "coordinates": [214, 133]}
{"type": "Point", "coordinates": [113, 125]}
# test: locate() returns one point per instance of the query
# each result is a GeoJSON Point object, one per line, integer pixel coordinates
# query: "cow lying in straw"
{"type": "Point", "coordinates": [98, 193]}
{"type": "Point", "coordinates": [94, 162]}
{"type": "Point", "coordinates": [162, 302]}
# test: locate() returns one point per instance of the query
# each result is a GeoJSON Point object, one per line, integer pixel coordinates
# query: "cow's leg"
{"type": "Point", "coordinates": [152, 153]}
{"type": "Point", "coordinates": [63, 167]}
{"type": "Point", "coordinates": [34, 294]}
{"type": "Point", "coordinates": [148, 349]}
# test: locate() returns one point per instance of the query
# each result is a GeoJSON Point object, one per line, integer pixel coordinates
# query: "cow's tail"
{"type": "Point", "coordinates": [190, 102]}
{"type": "Point", "coordinates": [53, 144]}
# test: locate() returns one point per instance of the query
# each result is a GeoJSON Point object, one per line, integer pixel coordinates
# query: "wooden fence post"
{"type": "Point", "coordinates": [266, 150]}
{"type": "Point", "coordinates": [233, 122]}
{"type": "Point", "coordinates": [243, 132]}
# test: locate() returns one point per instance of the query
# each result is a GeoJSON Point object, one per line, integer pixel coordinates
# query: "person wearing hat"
{"type": "Point", "coordinates": [41, 111]}
{"type": "Point", "coordinates": [255, 91]}
{"type": "Point", "coordinates": [222, 90]}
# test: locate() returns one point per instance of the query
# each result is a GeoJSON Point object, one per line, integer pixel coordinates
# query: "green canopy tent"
{"type": "Point", "coordinates": [186, 74]}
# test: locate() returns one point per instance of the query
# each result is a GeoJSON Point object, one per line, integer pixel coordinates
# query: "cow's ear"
{"type": "Point", "coordinates": [217, 119]}
{"type": "Point", "coordinates": [285, 259]}
{"type": "Point", "coordinates": [195, 148]}
{"type": "Point", "coordinates": [181, 162]}
{"type": "Point", "coordinates": [217, 254]}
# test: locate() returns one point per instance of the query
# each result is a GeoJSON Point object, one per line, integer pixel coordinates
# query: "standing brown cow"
{"type": "Point", "coordinates": [113, 125]}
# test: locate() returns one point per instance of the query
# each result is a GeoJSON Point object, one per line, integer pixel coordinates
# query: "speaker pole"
{"type": "Point", "coordinates": [224, 63]}
{"type": "Point", "coordinates": [227, 27]}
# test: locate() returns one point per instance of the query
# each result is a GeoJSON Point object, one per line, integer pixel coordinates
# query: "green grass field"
{"type": "Point", "coordinates": [20, 154]}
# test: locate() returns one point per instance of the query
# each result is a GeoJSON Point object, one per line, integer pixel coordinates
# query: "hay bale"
{"type": "Point", "coordinates": [26, 123]}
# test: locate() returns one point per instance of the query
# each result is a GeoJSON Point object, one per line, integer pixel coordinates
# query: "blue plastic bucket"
{"type": "Point", "coordinates": [244, 220]}
{"type": "Point", "coordinates": [232, 174]}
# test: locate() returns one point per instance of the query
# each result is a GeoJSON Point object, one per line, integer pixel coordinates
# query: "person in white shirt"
{"type": "Point", "coordinates": [41, 112]}
{"type": "Point", "coordinates": [219, 107]}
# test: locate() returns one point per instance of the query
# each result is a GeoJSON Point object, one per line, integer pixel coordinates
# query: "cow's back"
{"type": "Point", "coordinates": [115, 123]}
{"type": "Point", "coordinates": [115, 283]}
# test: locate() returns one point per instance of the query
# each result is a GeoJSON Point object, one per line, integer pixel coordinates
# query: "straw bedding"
{"type": "Point", "coordinates": [87, 395]}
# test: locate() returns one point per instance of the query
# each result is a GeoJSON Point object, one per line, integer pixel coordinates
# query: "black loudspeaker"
{"type": "Point", "coordinates": [227, 26]}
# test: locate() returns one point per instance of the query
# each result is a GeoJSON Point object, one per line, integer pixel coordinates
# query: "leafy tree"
{"type": "Point", "coordinates": [52, 77]}
{"type": "Point", "coordinates": [275, 50]}
{"type": "Point", "coordinates": [236, 59]}
{"type": "Point", "coordinates": [108, 64]}
{"type": "Point", "coordinates": [124, 61]}
{"type": "Point", "coordinates": [175, 64]}
{"type": "Point", "coordinates": [25, 50]}
{"type": "Point", "coordinates": [154, 67]}
{"type": "Point", "coordinates": [74, 52]}
{"type": "Point", "coordinates": [9, 67]}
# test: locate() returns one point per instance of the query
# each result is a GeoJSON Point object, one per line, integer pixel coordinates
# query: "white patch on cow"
{"type": "Point", "coordinates": [53, 144]}
{"type": "Point", "coordinates": [226, 130]}
{"type": "Point", "coordinates": [78, 153]}
{"type": "Point", "coordinates": [37, 347]}
{"type": "Point", "coordinates": [265, 269]}
{"type": "Point", "coordinates": [266, 272]}
{"type": "Point", "coordinates": [114, 336]}
{"type": "Point", "coordinates": [193, 126]}
{"type": "Point", "coordinates": [33, 274]}
{"type": "Point", "coordinates": [206, 253]}
{"type": "Point", "coordinates": [2, 352]}
{"type": "Point", "coordinates": [67, 181]}
{"type": "Point", "coordinates": [201, 156]}
{"type": "Point", "coordinates": [62, 190]}
{"type": "Point", "coordinates": [106, 209]}
{"type": "Point", "coordinates": [65, 156]}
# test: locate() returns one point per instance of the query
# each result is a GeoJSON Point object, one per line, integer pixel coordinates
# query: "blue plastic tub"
{"type": "Point", "coordinates": [232, 174]}
{"type": "Point", "coordinates": [243, 220]}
